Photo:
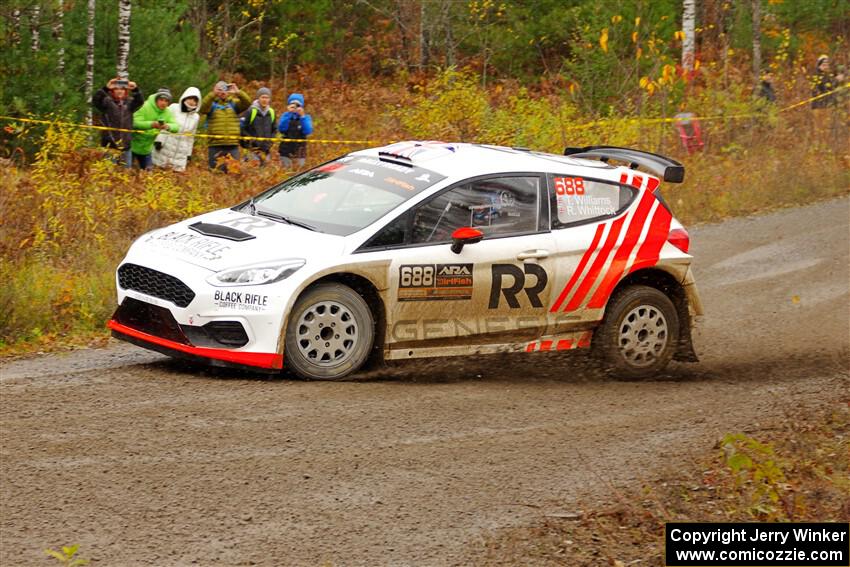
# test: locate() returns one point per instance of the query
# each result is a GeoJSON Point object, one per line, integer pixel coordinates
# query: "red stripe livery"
{"type": "Point", "coordinates": [584, 259]}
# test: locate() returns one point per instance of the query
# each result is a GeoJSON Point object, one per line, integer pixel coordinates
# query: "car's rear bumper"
{"type": "Point", "coordinates": [268, 362]}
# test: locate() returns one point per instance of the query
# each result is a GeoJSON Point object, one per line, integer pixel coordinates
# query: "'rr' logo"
{"type": "Point", "coordinates": [499, 271]}
{"type": "Point", "coordinates": [248, 224]}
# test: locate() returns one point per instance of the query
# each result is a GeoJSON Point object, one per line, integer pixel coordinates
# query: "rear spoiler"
{"type": "Point", "coordinates": [667, 169]}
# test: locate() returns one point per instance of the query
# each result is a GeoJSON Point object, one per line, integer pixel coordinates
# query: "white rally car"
{"type": "Point", "coordinates": [424, 249]}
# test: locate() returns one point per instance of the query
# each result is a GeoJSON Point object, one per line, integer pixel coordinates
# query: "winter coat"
{"type": "Point", "coordinates": [176, 149]}
{"type": "Point", "coordinates": [223, 117]}
{"type": "Point", "coordinates": [294, 126]}
{"type": "Point", "coordinates": [149, 113]}
{"type": "Point", "coordinates": [118, 114]}
{"type": "Point", "coordinates": [824, 83]}
{"type": "Point", "coordinates": [259, 124]}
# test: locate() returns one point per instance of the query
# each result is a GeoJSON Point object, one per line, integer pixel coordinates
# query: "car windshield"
{"type": "Point", "coordinates": [345, 195]}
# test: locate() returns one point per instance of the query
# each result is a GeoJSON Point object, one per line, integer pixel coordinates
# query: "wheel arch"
{"type": "Point", "coordinates": [364, 287]}
{"type": "Point", "coordinates": [669, 285]}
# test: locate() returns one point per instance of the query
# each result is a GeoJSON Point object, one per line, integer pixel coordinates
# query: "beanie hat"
{"type": "Point", "coordinates": [821, 59]}
{"type": "Point", "coordinates": [296, 97]}
{"type": "Point", "coordinates": [221, 85]}
{"type": "Point", "coordinates": [163, 93]}
{"type": "Point", "coordinates": [264, 91]}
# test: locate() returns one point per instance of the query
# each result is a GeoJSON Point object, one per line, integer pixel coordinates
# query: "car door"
{"type": "Point", "coordinates": [588, 225]}
{"type": "Point", "coordinates": [494, 291]}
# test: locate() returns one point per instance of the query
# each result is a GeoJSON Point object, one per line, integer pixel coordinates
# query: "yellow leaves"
{"type": "Point", "coordinates": [696, 64]}
{"type": "Point", "coordinates": [679, 35]}
{"type": "Point", "coordinates": [638, 53]}
{"type": "Point", "coordinates": [616, 19]}
{"type": "Point", "coordinates": [634, 36]}
{"type": "Point", "coordinates": [603, 40]}
{"type": "Point", "coordinates": [637, 22]}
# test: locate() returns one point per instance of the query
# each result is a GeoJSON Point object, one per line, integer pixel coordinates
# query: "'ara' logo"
{"type": "Point", "coordinates": [454, 270]}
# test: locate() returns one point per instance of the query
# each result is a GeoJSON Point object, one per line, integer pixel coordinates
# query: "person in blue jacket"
{"type": "Point", "coordinates": [295, 125]}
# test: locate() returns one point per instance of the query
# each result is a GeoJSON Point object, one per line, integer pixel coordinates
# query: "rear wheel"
{"type": "Point", "coordinates": [639, 333]}
{"type": "Point", "coordinates": [330, 333]}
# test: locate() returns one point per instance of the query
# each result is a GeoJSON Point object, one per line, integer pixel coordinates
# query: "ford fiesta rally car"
{"type": "Point", "coordinates": [424, 249]}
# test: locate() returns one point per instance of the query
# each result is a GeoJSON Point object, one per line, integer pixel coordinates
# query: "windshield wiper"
{"type": "Point", "coordinates": [287, 220]}
{"type": "Point", "coordinates": [252, 208]}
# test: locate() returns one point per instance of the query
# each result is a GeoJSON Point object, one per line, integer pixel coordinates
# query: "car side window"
{"type": "Point", "coordinates": [496, 206]}
{"type": "Point", "coordinates": [577, 200]}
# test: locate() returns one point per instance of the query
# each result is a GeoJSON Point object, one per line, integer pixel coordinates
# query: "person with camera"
{"type": "Point", "coordinates": [116, 102]}
{"type": "Point", "coordinates": [222, 108]}
{"type": "Point", "coordinates": [295, 125]}
{"type": "Point", "coordinates": [152, 118]}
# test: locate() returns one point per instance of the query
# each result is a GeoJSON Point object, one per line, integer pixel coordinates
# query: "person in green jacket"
{"type": "Point", "coordinates": [222, 108]}
{"type": "Point", "coordinates": [153, 117]}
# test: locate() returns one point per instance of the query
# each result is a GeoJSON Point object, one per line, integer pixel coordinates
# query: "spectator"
{"type": "Point", "coordinates": [259, 122]}
{"type": "Point", "coordinates": [154, 118]}
{"type": "Point", "coordinates": [766, 87]}
{"type": "Point", "coordinates": [294, 125]}
{"type": "Point", "coordinates": [825, 82]}
{"type": "Point", "coordinates": [117, 111]}
{"type": "Point", "coordinates": [173, 151]}
{"type": "Point", "coordinates": [222, 107]}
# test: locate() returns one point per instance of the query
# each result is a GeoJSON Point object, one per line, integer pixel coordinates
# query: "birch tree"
{"type": "Point", "coordinates": [16, 26]}
{"type": "Point", "coordinates": [756, 42]}
{"type": "Point", "coordinates": [92, 6]}
{"type": "Point", "coordinates": [123, 37]}
{"type": "Point", "coordinates": [58, 35]}
{"type": "Point", "coordinates": [688, 43]}
{"type": "Point", "coordinates": [35, 22]}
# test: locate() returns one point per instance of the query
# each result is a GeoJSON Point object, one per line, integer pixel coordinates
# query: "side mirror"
{"type": "Point", "coordinates": [463, 236]}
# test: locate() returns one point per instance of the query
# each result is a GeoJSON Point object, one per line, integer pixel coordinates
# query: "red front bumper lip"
{"type": "Point", "coordinates": [258, 359]}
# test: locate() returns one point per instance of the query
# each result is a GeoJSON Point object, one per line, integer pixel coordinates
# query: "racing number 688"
{"type": "Point", "coordinates": [569, 186]}
{"type": "Point", "coordinates": [417, 276]}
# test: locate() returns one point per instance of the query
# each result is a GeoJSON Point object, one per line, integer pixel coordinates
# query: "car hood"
{"type": "Point", "coordinates": [226, 238]}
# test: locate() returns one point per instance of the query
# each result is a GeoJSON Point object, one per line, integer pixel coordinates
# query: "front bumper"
{"type": "Point", "coordinates": [214, 356]}
{"type": "Point", "coordinates": [217, 326]}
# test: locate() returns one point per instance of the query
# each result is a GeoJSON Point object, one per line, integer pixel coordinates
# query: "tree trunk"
{"type": "Point", "coordinates": [92, 5]}
{"type": "Point", "coordinates": [756, 42]}
{"type": "Point", "coordinates": [124, 7]}
{"type": "Point", "coordinates": [689, 41]}
{"type": "Point", "coordinates": [58, 35]}
{"type": "Point", "coordinates": [449, 32]}
{"type": "Point", "coordinates": [35, 17]}
{"type": "Point", "coordinates": [16, 26]}
{"type": "Point", "coordinates": [423, 45]}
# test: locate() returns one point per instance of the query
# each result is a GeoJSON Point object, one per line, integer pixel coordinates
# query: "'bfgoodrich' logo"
{"type": "Point", "coordinates": [498, 287]}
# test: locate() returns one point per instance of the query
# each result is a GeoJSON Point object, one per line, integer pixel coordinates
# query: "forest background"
{"type": "Point", "coordinates": [543, 74]}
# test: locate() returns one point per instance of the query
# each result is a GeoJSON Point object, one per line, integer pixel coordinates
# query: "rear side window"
{"type": "Point", "coordinates": [577, 200]}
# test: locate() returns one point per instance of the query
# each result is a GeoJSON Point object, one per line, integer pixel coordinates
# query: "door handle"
{"type": "Point", "coordinates": [532, 254]}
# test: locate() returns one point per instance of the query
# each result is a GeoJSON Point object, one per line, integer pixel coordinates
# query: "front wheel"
{"type": "Point", "coordinates": [330, 333]}
{"type": "Point", "coordinates": [638, 336]}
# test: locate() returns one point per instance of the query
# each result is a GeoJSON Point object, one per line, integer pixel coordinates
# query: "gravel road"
{"type": "Point", "coordinates": [147, 461]}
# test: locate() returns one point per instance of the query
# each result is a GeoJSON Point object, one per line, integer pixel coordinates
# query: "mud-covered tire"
{"type": "Point", "coordinates": [639, 333]}
{"type": "Point", "coordinates": [329, 334]}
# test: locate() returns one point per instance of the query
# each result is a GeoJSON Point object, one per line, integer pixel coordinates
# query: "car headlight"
{"type": "Point", "coordinates": [256, 274]}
